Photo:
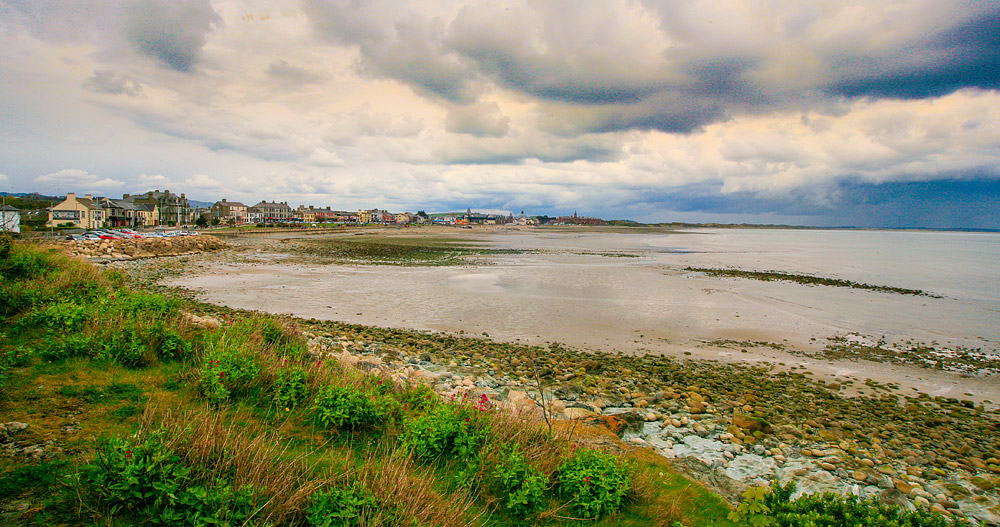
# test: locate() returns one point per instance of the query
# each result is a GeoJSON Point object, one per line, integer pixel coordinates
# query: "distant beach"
{"type": "Point", "coordinates": [627, 291]}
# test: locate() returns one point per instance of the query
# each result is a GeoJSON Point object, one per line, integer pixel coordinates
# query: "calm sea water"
{"type": "Point", "coordinates": [956, 264]}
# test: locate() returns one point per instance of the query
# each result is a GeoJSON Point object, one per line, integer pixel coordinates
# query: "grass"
{"type": "Point", "coordinates": [104, 375]}
{"type": "Point", "coordinates": [770, 276]}
{"type": "Point", "coordinates": [395, 250]}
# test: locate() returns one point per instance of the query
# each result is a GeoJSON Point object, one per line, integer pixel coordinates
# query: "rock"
{"type": "Point", "coordinates": [747, 423]}
{"type": "Point", "coordinates": [828, 467]}
{"type": "Point", "coordinates": [578, 413]}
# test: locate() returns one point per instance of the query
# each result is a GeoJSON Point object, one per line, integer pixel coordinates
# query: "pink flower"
{"type": "Point", "coordinates": [586, 479]}
{"type": "Point", "coordinates": [128, 454]}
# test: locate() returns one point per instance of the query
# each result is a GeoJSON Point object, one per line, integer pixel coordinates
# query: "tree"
{"type": "Point", "coordinates": [215, 221]}
{"type": "Point", "coordinates": [422, 214]}
{"type": "Point", "coordinates": [201, 222]}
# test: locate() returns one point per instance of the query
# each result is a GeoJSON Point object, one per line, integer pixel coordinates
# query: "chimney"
{"type": "Point", "coordinates": [70, 195]}
{"type": "Point", "coordinates": [88, 196]}
{"type": "Point", "coordinates": [125, 196]}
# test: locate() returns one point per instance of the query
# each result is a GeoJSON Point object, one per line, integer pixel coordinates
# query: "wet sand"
{"type": "Point", "coordinates": [574, 291]}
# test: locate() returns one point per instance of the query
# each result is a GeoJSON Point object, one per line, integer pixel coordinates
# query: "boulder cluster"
{"type": "Point", "coordinates": [131, 249]}
{"type": "Point", "coordinates": [727, 426]}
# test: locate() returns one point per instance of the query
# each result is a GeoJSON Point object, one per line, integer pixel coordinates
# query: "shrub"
{"type": "Point", "coordinates": [290, 387]}
{"type": "Point", "coordinates": [772, 506]}
{"type": "Point", "coordinates": [341, 507]}
{"type": "Point", "coordinates": [75, 345]}
{"type": "Point", "coordinates": [448, 430]}
{"type": "Point", "coordinates": [418, 397]}
{"type": "Point", "coordinates": [520, 485]}
{"type": "Point", "coordinates": [595, 483]}
{"type": "Point", "coordinates": [66, 315]}
{"type": "Point", "coordinates": [346, 407]}
{"type": "Point", "coordinates": [145, 480]}
{"type": "Point", "coordinates": [23, 262]}
{"type": "Point", "coordinates": [227, 371]}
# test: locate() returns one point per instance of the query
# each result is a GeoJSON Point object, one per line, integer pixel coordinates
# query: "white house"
{"type": "Point", "coordinates": [10, 219]}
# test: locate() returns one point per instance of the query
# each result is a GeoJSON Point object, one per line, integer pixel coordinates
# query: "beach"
{"type": "Point", "coordinates": [629, 292]}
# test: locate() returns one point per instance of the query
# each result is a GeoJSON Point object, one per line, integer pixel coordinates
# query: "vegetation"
{"type": "Point", "coordinates": [769, 276]}
{"type": "Point", "coordinates": [399, 250]}
{"type": "Point", "coordinates": [766, 507]}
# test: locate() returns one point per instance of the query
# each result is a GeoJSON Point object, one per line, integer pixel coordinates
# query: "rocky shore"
{"type": "Point", "coordinates": [727, 426]}
{"type": "Point", "coordinates": [131, 249]}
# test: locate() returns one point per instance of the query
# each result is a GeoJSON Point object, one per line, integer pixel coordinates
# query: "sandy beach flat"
{"type": "Point", "coordinates": [571, 291]}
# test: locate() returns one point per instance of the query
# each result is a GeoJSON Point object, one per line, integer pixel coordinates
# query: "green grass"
{"type": "Point", "coordinates": [395, 250]}
{"type": "Point", "coordinates": [769, 276]}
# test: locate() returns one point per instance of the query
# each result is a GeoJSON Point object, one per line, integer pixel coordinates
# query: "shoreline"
{"type": "Point", "coordinates": [823, 430]}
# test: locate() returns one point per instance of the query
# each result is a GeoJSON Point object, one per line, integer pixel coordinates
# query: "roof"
{"type": "Point", "coordinates": [273, 204]}
{"type": "Point", "coordinates": [89, 203]}
{"type": "Point", "coordinates": [225, 203]}
{"type": "Point", "coordinates": [8, 208]}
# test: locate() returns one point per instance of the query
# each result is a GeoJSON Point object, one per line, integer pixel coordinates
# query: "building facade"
{"type": "Point", "coordinates": [273, 211]}
{"type": "Point", "coordinates": [10, 219]}
{"type": "Point", "coordinates": [172, 209]}
{"type": "Point", "coordinates": [82, 213]}
{"type": "Point", "coordinates": [229, 212]}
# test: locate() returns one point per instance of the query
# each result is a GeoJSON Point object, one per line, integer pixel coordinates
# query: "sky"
{"type": "Point", "coordinates": [831, 113]}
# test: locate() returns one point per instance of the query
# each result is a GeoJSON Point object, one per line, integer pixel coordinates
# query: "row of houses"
{"type": "Point", "coordinates": [152, 209]}
{"type": "Point", "coordinates": [163, 208]}
{"type": "Point", "coordinates": [156, 208]}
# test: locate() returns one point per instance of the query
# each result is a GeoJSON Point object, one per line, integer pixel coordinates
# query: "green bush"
{"type": "Point", "coordinates": [449, 430]}
{"type": "Point", "coordinates": [24, 262]}
{"type": "Point", "coordinates": [345, 407]}
{"type": "Point", "coordinates": [341, 507]}
{"type": "Point", "coordinates": [773, 507]}
{"type": "Point", "coordinates": [520, 485]}
{"type": "Point", "coordinates": [418, 397]}
{"type": "Point", "coordinates": [227, 371]}
{"type": "Point", "coordinates": [595, 483]}
{"type": "Point", "coordinates": [74, 345]}
{"type": "Point", "coordinates": [145, 481]}
{"type": "Point", "coordinates": [290, 387]}
{"type": "Point", "coordinates": [67, 315]}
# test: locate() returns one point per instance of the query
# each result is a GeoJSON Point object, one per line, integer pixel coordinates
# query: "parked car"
{"type": "Point", "coordinates": [107, 235]}
{"type": "Point", "coordinates": [91, 236]}
{"type": "Point", "coordinates": [75, 237]}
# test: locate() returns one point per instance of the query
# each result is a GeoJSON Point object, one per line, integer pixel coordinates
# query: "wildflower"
{"type": "Point", "coordinates": [573, 447]}
{"type": "Point", "coordinates": [586, 479]}
{"type": "Point", "coordinates": [128, 454]}
{"type": "Point", "coordinates": [222, 374]}
{"type": "Point", "coordinates": [287, 409]}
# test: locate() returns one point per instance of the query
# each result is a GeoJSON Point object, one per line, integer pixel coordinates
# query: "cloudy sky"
{"type": "Point", "coordinates": [839, 112]}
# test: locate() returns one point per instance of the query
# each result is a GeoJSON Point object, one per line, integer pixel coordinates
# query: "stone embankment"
{"type": "Point", "coordinates": [719, 438]}
{"type": "Point", "coordinates": [141, 247]}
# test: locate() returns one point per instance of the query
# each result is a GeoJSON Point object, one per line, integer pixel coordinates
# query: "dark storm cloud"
{"type": "Point", "coordinates": [970, 202]}
{"type": "Point", "coordinates": [105, 81]}
{"type": "Point", "coordinates": [966, 55]}
{"type": "Point", "coordinates": [171, 32]}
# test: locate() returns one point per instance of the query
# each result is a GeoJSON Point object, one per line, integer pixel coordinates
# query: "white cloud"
{"type": "Point", "coordinates": [325, 158]}
{"type": "Point", "coordinates": [71, 179]}
{"type": "Point", "coordinates": [157, 181]}
{"type": "Point", "coordinates": [201, 181]}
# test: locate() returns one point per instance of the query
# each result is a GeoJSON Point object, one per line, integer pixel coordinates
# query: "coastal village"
{"type": "Point", "coordinates": [160, 209]}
